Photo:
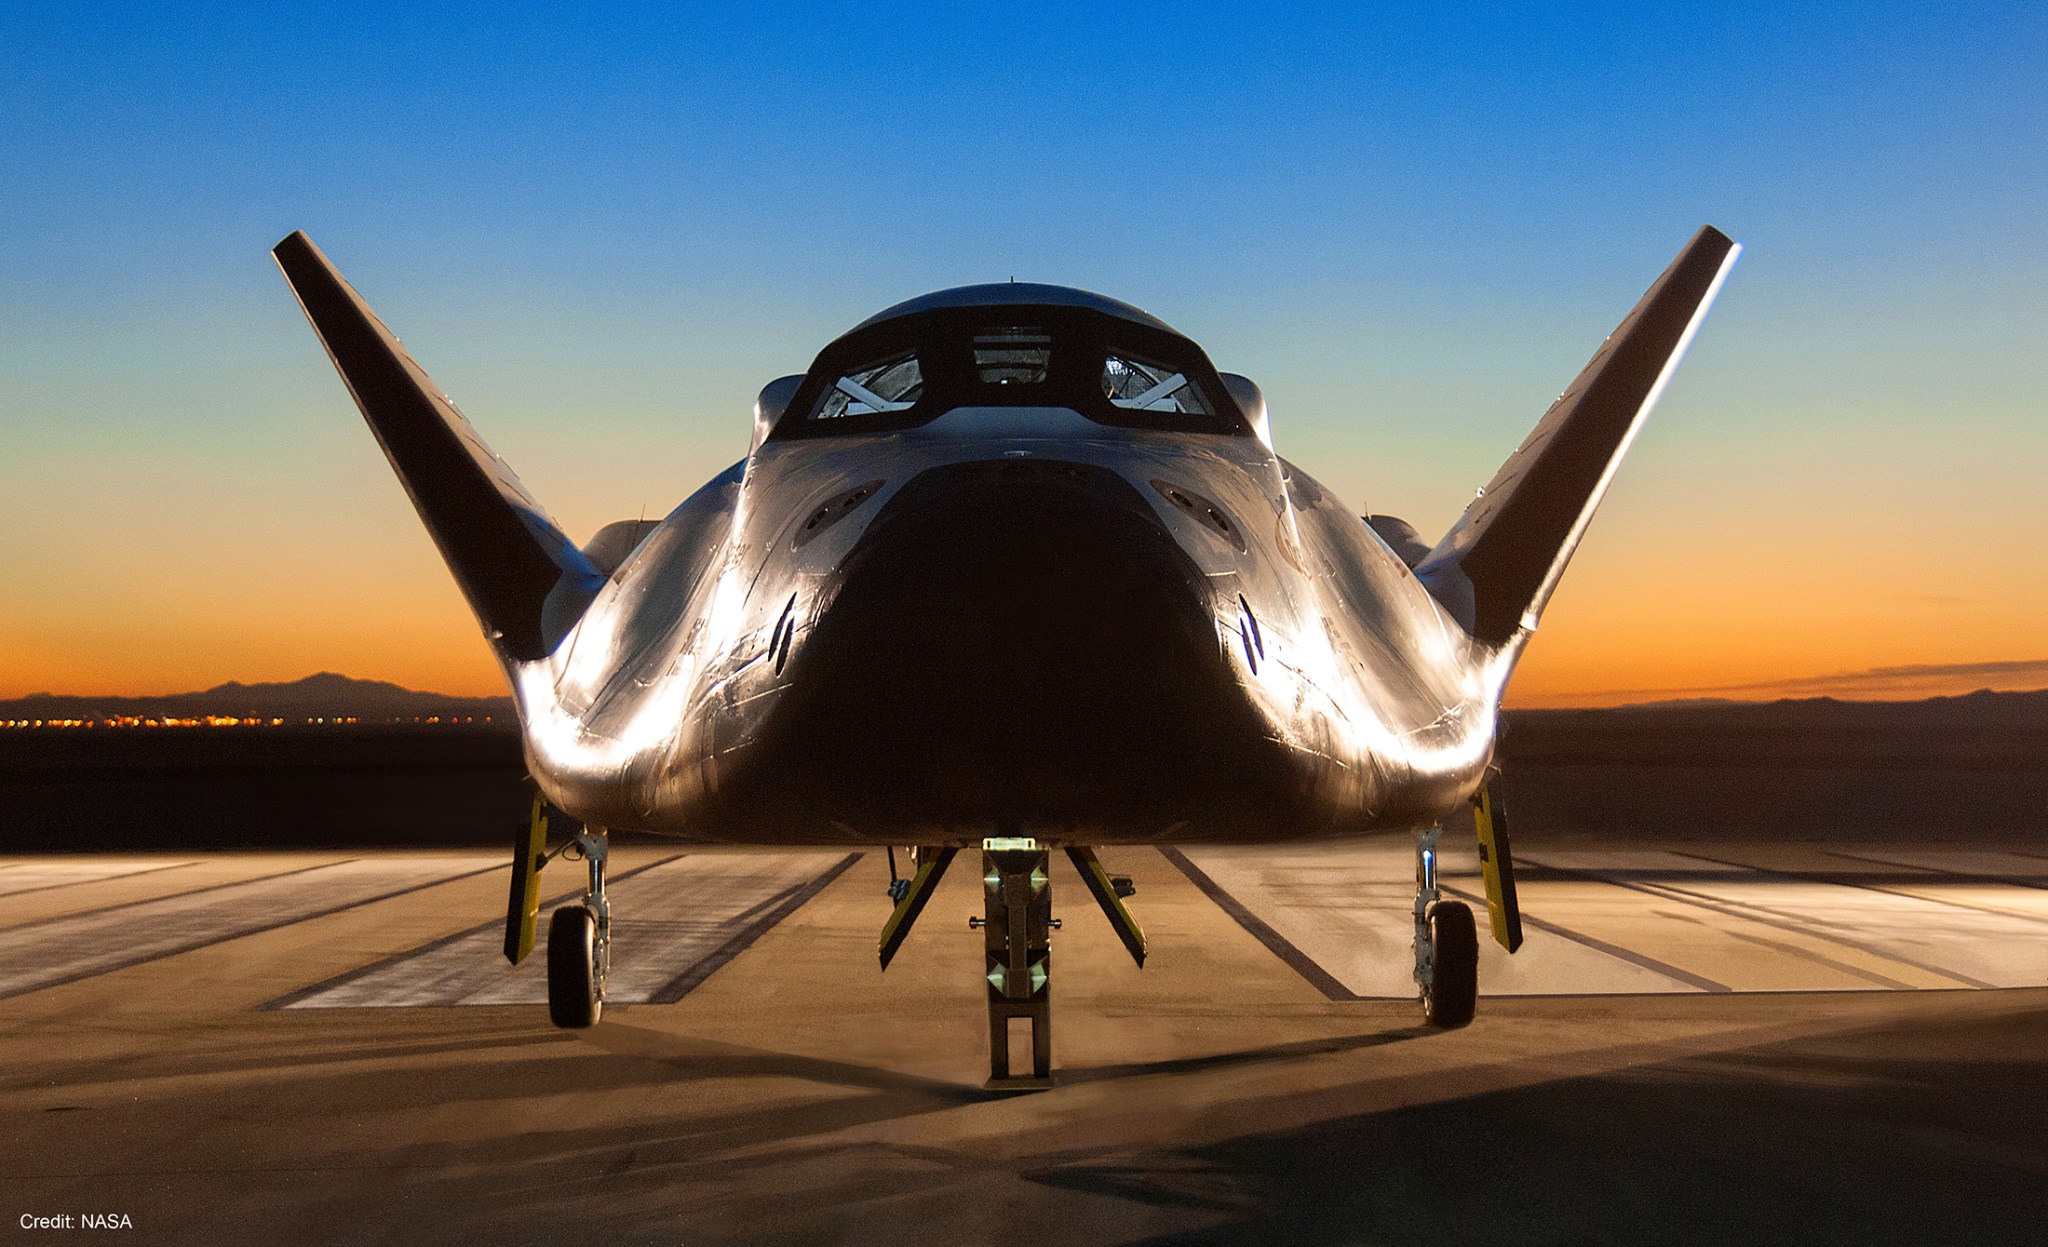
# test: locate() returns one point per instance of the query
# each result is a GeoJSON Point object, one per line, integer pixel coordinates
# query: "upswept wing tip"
{"type": "Point", "coordinates": [1500, 562]}
{"type": "Point", "coordinates": [525, 580]}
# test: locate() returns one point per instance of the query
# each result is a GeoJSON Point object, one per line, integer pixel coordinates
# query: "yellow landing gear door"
{"type": "Point", "coordinates": [529, 853]}
{"type": "Point", "coordinates": [1104, 888]}
{"type": "Point", "coordinates": [931, 867]}
{"type": "Point", "coordinates": [1497, 863]}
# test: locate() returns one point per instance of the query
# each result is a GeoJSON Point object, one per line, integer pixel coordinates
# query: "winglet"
{"type": "Point", "coordinates": [525, 580]}
{"type": "Point", "coordinates": [1500, 562]}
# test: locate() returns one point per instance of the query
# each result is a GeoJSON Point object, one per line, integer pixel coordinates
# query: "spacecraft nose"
{"type": "Point", "coordinates": [1017, 637]}
{"type": "Point", "coordinates": [1015, 573]}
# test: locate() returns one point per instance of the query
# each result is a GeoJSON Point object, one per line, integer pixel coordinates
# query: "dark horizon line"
{"type": "Point", "coordinates": [389, 688]}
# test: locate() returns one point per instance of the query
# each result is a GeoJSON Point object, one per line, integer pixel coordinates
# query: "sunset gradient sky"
{"type": "Point", "coordinates": [602, 235]}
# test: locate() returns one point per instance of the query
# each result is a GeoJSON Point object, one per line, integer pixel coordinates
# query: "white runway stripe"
{"type": "Point", "coordinates": [60, 950]}
{"type": "Point", "coordinates": [667, 922]}
{"type": "Point", "coordinates": [1983, 863]}
{"type": "Point", "coordinates": [37, 876]}
{"type": "Point", "coordinates": [1657, 919]}
{"type": "Point", "coordinates": [1974, 947]}
{"type": "Point", "coordinates": [1349, 908]}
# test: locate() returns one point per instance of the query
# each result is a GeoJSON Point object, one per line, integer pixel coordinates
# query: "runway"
{"type": "Point", "coordinates": [1698, 1043]}
{"type": "Point", "coordinates": [679, 920]}
{"type": "Point", "coordinates": [1715, 918]}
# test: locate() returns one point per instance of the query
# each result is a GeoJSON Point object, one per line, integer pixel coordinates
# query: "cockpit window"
{"type": "Point", "coordinates": [1135, 385]}
{"type": "Point", "coordinates": [1012, 355]}
{"type": "Point", "coordinates": [892, 385]}
{"type": "Point", "coordinates": [899, 374]}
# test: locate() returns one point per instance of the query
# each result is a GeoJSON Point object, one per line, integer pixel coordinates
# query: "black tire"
{"type": "Point", "coordinates": [573, 1001]}
{"type": "Point", "coordinates": [1453, 995]}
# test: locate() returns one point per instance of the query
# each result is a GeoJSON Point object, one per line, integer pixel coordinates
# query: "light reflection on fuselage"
{"type": "Point", "coordinates": [1381, 707]}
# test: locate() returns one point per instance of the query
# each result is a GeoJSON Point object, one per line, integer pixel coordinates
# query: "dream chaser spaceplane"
{"type": "Point", "coordinates": [1010, 568]}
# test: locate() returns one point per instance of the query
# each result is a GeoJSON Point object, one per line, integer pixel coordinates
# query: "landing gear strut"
{"type": "Point", "coordinates": [1446, 944]}
{"type": "Point", "coordinates": [1017, 887]}
{"type": "Point", "coordinates": [1017, 926]}
{"type": "Point", "coordinates": [580, 942]}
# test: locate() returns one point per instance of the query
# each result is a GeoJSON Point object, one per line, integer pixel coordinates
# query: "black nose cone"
{"type": "Point", "coordinates": [1014, 642]}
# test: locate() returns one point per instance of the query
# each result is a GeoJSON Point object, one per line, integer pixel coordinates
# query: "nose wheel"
{"type": "Point", "coordinates": [1446, 945]}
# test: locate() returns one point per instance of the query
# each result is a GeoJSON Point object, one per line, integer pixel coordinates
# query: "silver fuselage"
{"type": "Point", "coordinates": [719, 689]}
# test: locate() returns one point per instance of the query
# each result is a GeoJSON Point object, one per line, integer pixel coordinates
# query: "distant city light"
{"type": "Point", "coordinates": [216, 720]}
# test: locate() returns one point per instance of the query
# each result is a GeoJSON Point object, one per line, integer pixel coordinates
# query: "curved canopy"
{"type": "Point", "coordinates": [1011, 344]}
{"type": "Point", "coordinates": [1016, 293]}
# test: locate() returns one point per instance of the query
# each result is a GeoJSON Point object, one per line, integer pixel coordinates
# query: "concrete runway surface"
{"type": "Point", "coordinates": [1703, 1043]}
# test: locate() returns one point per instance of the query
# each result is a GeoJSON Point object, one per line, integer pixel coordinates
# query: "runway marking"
{"type": "Point", "coordinates": [674, 923]}
{"type": "Point", "coordinates": [1300, 962]}
{"type": "Point", "coordinates": [2035, 877]}
{"type": "Point", "coordinates": [22, 878]}
{"type": "Point", "coordinates": [97, 910]}
{"type": "Point", "coordinates": [1736, 907]}
{"type": "Point", "coordinates": [65, 949]}
{"type": "Point", "coordinates": [1342, 918]}
{"type": "Point", "coordinates": [1828, 879]}
{"type": "Point", "coordinates": [1701, 981]}
{"type": "Point", "coordinates": [291, 998]}
{"type": "Point", "coordinates": [1852, 879]}
{"type": "Point", "coordinates": [1821, 959]}
{"type": "Point", "coordinates": [783, 905]}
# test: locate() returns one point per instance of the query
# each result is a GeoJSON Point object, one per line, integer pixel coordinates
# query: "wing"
{"type": "Point", "coordinates": [525, 580]}
{"type": "Point", "coordinates": [1500, 562]}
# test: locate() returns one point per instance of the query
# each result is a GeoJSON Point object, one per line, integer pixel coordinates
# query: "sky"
{"type": "Point", "coordinates": [602, 234]}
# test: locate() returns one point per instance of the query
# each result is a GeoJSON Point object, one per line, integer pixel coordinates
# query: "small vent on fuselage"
{"type": "Point", "coordinates": [785, 632]}
{"type": "Point", "coordinates": [1203, 512]}
{"type": "Point", "coordinates": [1248, 633]}
{"type": "Point", "coordinates": [831, 512]}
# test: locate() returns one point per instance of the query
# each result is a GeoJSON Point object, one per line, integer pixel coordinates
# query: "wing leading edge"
{"type": "Point", "coordinates": [1499, 563]}
{"type": "Point", "coordinates": [525, 580]}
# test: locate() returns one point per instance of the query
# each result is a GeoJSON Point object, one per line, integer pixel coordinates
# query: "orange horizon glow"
{"type": "Point", "coordinates": [1656, 606]}
{"type": "Point", "coordinates": [1583, 657]}
{"type": "Point", "coordinates": [1668, 598]}
{"type": "Point", "coordinates": [1904, 683]}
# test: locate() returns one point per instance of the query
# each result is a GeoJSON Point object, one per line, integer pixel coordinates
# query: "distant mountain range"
{"type": "Point", "coordinates": [331, 696]}
{"type": "Point", "coordinates": [1976, 731]}
{"type": "Point", "coordinates": [322, 696]}
{"type": "Point", "coordinates": [1983, 708]}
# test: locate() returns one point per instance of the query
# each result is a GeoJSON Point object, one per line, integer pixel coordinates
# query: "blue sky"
{"type": "Point", "coordinates": [604, 234]}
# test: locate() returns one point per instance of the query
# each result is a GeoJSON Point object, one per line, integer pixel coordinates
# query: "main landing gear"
{"type": "Point", "coordinates": [579, 935]}
{"type": "Point", "coordinates": [580, 942]}
{"type": "Point", "coordinates": [1446, 944]}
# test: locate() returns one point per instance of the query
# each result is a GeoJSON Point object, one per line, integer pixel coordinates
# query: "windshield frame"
{"type": "Point", "coordinates": [943, 340]}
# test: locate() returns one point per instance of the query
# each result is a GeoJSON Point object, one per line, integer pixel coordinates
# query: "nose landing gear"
{"type": "Point", "coordinates": [1016, 927]}
{"type": "Point", "coordinates": [1017, 887]}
